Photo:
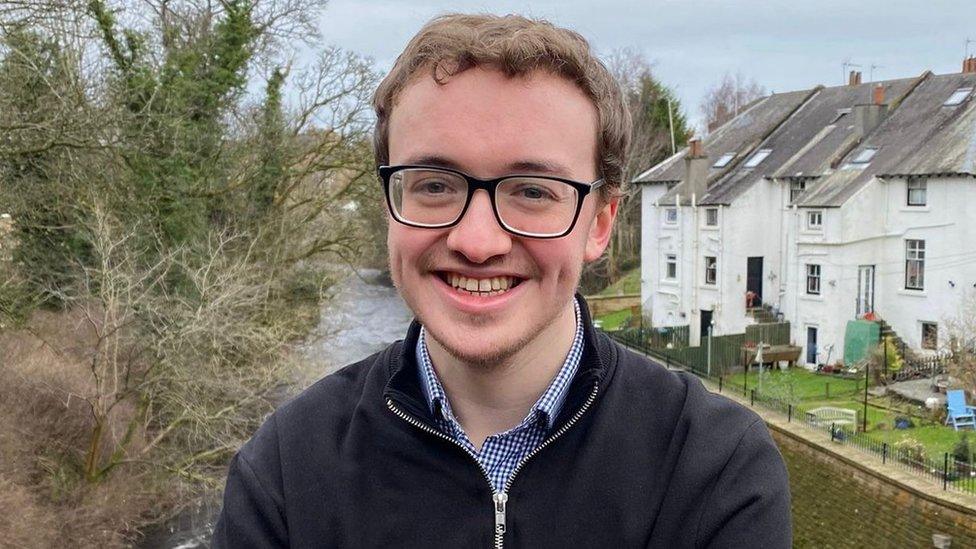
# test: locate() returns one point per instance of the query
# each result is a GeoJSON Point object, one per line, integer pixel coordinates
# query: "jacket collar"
{"type": "Point", "coordinates": [596, 366]}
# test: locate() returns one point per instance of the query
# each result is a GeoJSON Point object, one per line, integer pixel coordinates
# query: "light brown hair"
{"type": "Point", "coordinates": [516, 45]}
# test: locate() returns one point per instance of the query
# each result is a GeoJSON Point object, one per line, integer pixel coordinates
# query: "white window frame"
{"type": "Point", "coordinates": [757, 158]}
{"type": "Point", "coordinates": [724, 160]}
{"type": "Point", "coordinates": [914, 264]}
{"type": "Point", "coordinates": [670, 266]}
{"type": "Point", "coordinates": [920, 187]}
{"type": "Point", "coordinates": [797, 188]}
{"type": "Point", "coordinates": [957, 97]}
{"type": "Point", "coordinates": [671, 216]}
{"type": "Point", "coordinates": [865, 156]}
{"type": "Point", "coordinates": [711, 270]}
{"type": "Point", "coordinates": [813, 278]}
{"type": "Point", "coordinates": [711, 217]}
{"type": "Point", "coordinates": [815, 220]}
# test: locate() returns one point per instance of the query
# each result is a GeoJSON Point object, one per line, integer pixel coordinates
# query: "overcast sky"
{"type": "Point", "coordinates": [784, 45]}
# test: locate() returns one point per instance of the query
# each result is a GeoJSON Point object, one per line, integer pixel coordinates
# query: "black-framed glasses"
{"type": "Point", "coordinates": [525, 205]}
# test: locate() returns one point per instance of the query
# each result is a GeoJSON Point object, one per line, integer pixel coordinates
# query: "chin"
{"type": "Point", "coordinates": [484, 350]}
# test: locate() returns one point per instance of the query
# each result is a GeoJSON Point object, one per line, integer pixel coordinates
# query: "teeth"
{"type": "Point", "coordinates": [484, 286]}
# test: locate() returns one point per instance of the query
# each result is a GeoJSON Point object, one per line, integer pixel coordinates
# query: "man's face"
{"type": "Point", "coordinates": [488, 125]}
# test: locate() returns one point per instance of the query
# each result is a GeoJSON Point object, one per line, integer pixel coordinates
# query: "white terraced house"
{"type": "Point", "coordinates": [821, 206]}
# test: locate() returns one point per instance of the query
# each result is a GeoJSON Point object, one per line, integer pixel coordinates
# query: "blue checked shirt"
{"type": "Point", "coordinates": [501, 453]}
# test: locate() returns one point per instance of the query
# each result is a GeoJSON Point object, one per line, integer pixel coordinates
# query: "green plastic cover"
{"type": "Point", "coordinates": [860, 338]}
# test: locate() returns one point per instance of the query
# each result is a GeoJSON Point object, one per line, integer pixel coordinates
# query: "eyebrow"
{"type": "Point", "coordinates": [519, 166]}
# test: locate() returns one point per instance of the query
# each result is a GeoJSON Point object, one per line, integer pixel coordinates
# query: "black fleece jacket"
{"type": "Point", "coordinates": [639, 457]}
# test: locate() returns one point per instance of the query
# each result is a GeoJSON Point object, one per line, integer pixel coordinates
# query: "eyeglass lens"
{"type": "Point", "coordinates": [530, 205]}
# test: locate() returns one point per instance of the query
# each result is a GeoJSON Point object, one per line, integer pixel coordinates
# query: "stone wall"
{"type": "Point", "coordinates": [602, 304]}
{"type": "Point", "coordinates": [837, 503]}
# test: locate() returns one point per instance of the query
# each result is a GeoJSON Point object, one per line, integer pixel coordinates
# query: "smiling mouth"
{"type": "Point", "coordinates": [483, 287]}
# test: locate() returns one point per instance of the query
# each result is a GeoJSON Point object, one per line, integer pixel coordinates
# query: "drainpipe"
{"type": "Point", "coordinates": [796, 270]}
{"type": "Point", "coordinates": [696, 311]}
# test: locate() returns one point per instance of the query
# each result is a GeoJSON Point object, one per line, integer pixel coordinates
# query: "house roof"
{"type": "Point", "coordinates": [810, 134]}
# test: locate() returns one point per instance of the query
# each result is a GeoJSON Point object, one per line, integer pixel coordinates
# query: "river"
{"type": "Point", "coordinates": [366, 315]}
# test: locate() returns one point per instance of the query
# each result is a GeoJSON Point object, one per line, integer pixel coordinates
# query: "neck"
{"type": "Point", "coordinates": [492, 400]}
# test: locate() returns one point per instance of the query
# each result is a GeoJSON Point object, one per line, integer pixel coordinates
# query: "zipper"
{"type": "Point", "coordinates": [499, 499]}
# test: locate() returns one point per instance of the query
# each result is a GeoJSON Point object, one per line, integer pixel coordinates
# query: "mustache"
{"type": "Point", "coordinates": [441, 260]}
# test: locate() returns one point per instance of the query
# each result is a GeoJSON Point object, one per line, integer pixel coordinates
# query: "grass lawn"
{"type": "Point", "coordinates": [629, 283]}
{"type": "Point", "coordinates": [808, 390]}
{"type": "Point", "coordinates": [798, 384]}
{"type": "Point", "coordinates": [614, 320]}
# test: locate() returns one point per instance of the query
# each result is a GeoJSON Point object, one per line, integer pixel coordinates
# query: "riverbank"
{"type": "Point", "coordinates": [365, 315]}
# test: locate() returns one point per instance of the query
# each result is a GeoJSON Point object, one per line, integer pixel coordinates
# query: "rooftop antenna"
{"type": "Point", "coordinates": [871, 71]}
{"type": "Point", "coordinates": [968, 42]}
{"type": "Point", "coordinates": [848, 65]}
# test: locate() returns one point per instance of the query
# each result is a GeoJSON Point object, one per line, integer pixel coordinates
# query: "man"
{"type": "Point", "coordinates": [503, 418]}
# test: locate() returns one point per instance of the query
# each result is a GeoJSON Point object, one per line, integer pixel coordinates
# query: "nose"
{"type": "Point", "coordinates": [478, 236]}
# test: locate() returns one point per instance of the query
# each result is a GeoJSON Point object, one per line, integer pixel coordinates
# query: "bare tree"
{"type": "Point", "coordinates": [959, 343]}
{"type": "Point", "coordinates": [659, 126]}
{"type": "Point", "coordinates": [726, 99]}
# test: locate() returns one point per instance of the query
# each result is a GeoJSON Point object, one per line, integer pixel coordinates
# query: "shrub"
{"type": "Point", "coordinates": [909, 450]}
{"type": "Point", "coordinates": [963, 451]}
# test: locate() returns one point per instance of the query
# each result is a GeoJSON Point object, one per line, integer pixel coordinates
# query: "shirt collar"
{"type": "Point", "coordinates": [547, 407]}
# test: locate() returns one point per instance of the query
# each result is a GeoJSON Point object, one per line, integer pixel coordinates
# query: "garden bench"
{"type": "Point", "coordinates": [827, 415]}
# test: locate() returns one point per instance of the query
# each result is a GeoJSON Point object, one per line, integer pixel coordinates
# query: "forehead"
{"type": "Point", "coordinates": [485, 122]}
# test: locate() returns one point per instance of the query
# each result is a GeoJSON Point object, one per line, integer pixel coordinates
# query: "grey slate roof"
{"type": "Point", "coordinates": [811, 137]}
{"type": "Point", "coordinates": [920, 136]}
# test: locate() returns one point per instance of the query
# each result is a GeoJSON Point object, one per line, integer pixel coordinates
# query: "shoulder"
{"type": "Point", "coordinates": [679, 398]}
{"type": "Point", "coordinates": [325, 408]}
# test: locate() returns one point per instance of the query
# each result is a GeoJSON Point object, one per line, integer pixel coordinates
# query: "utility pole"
{"type": "Point", "coordinates": [867, 371]}
{"type": "Point", "coordinates": [671, 124]}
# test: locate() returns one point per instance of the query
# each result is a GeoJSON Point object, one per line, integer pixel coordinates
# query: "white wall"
{"type": "Point", "coordinates": [871, 229]}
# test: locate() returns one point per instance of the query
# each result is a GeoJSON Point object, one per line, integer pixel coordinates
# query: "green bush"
{"type": "Point", "coordinates": [963, 451]}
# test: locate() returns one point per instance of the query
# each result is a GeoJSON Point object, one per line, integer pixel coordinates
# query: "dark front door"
{"type": "Point", "coordinates": [706, 324]}
{"type": "Point", "coordinates": [754, 280]}
{"type": "Point", "coordinates": [811, 345]}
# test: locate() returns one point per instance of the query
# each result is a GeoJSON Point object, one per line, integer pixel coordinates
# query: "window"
{"type": "Point", "coordinates": [865, 156]}
{"type": "Point", "coordinates": [813, 279]}
{"type": "Point", "coordinates": [916, 191]}
{"type": "Point", "coordinates": [757, 158]}
{"type": "Point", "coordinates": [930, 335]}
{"type": "Point", "coordinates": [957, 97]}
{"type": "Point", "coordinates": [797, 186]}
{"type": "Point", "coordinates": [711, 269]}
{"type": "Point", "coordinates": [723, 160]}
{"type": "Point", "coordinates": [914, 264]}
{"type": "Point", "coordinates": [841, 113]}
{"type": "Point", "coordinates": [671, 266]}
{"type": "Point", "coordinates": [671, 216]}
{"type": "Point", "coordinates": [815, 219]}
{"type": "Point", "coordinates": [711, 217]}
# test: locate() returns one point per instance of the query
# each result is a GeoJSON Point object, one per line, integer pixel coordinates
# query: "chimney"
{"type": "Point", "coordinates": [854, 79]}
{"type": "Point", "coordinates": [867, 117]}
{"type": "Point", "coordinates": [969, 65]}
{"type": "Point", "coordinates": [696, 170]}
{"type": "Point", "coordinates": [879, 95]}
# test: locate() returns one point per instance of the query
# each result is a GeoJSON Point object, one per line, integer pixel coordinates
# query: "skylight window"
{"type": "Point", "coordinates": [723, 160]}
{"type": "Point", "coordinates": [840, 114]}
{"type": "Point", "coordinates": [957, 97]}
{"type": "Point", "coordinates": [757, 158]}
{"type": "Point", "coordinates": [864, 156]}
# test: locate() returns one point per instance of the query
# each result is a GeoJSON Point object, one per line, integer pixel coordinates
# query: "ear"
{"type": "Point", "coordinates": [600, 229]}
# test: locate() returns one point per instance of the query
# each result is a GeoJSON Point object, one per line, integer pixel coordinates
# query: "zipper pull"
{"type": "Point", "coordinates": [500, 500]}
